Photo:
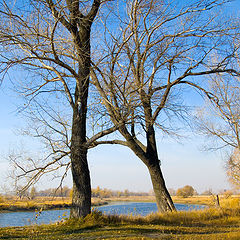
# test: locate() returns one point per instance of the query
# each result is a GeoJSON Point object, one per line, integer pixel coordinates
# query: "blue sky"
{"type": "Point", "coordinates": [116, 167]}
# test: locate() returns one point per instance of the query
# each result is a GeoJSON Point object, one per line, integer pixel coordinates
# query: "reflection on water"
{"type": "Point", "coordinates": [50, 216]}
{"type": "Point", "coordinates": [141, 208]}
{"type": "Point", "coordinates": [13, 219]}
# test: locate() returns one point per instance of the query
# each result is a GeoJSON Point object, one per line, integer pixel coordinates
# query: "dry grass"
{"type": "Point", "coordinates": [131, 199]}
{"type": "Point", "coordinates": [205, 200]}
{"type": "Point", "coordinates": [205, 224]}
{"type": "Point", "coordinates": [198, 199]}
{"type": "Point", "coordinates": [14, 203]}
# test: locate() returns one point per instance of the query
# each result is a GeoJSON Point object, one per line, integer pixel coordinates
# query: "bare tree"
{"type": "Point", "coordinates": [160, 49]}
{"type": "Point", "coordinates": [50, 40]}
{"type": "Point", "coordinates": [219, 121]}
{"type": "Point", "coordinates": [233, 168]}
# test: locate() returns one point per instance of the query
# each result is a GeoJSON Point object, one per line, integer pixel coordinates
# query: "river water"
{"type": "Point", "coordinates": [13, 219]}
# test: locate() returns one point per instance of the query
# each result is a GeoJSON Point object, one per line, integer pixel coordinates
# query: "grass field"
{"type": "Point", "coordinates": [205, 224]}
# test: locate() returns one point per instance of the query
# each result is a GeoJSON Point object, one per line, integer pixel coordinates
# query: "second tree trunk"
{"type": "Point", "coordinates": [163, 198]}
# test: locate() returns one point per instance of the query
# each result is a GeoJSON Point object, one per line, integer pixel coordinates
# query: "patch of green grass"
{"type": "Point", "coordinates": [205, 224]}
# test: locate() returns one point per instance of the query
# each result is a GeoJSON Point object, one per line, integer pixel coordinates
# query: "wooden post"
{"type": "Point", "coordinates": [217, 201]}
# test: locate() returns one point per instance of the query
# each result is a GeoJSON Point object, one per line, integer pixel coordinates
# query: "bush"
{"type": "Point", "coordinates": [185, 192]}
{"type": "Point", "coordinates": [228, 194]}
{"type": "Point", "coordinates": [1, 199]}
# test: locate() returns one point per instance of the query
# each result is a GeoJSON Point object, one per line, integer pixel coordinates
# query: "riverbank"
{"type": "Point", "coordinates": [14, 204]}
{"type": "Point", "coordinates": [48, 203]}
{"type": "Point", "coordinates": [204, 224]}
{"type": "Point", "coordinates": [198, 199]}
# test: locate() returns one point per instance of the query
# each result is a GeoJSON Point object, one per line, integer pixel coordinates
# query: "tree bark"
{"type": "Point", "coordinates": [163, 198]}
{"type": "Point", "coordinates": [81, 199]}
{"type": "Point", "coordinates": [80, 28]}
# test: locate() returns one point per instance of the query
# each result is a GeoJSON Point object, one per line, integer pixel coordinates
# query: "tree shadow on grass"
{"type": "Point", "coordinates": [124, 231]}
{"type": "Point", "coordinates": [120, 231]}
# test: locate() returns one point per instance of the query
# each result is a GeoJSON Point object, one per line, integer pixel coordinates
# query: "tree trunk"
{"type": "Point", "coordinates": [81, 198]}
{"type": "Point", "coordinates": [149, 157]}
{"type": "Point", "coordinates": [163, 198]}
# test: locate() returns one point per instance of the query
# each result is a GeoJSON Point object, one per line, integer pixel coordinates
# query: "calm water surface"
{"type": "Point", "coordinates": [14, 219]}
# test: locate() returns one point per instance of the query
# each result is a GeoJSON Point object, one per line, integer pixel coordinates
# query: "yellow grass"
{"type": "Point", "coordinates": [199, 199]}
{"type": "Point", "coordinates": [14, 203]}
{"type": "Point", "coordinates": [213, 224]}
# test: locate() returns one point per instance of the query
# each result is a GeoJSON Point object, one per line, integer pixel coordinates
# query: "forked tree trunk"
{"type": "Point", "coordinates": [163, 198]}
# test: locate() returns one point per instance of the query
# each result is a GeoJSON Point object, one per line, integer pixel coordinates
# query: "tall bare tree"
{"type": "Point", "coordinates": [51, 41]}
{"type": "Point", "coordinates": [160, 49]}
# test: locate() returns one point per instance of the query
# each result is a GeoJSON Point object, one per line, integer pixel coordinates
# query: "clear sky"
{"type": "Point", "coordinates": [116, 167]}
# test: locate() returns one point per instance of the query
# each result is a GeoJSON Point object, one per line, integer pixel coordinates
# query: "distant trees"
{"type": "Point", "coordinates": [50, 192]}
{"type": "Point", "coordinates": [233, 168]}
{"type": "Point", "coordinates": [107, 193]}
{"type": "Point", "coordinates": [208, 192]}
{"type": "Point", "coordinates": [21, 192]}
{"type": "Point", "coordinates": [172, 191]}
{"type": "Point", "coordinates": [101, 193]}
{"type": "Point", "coordinates": [186, 191]}
{"type": "Point", "coordinates": [65, 191]}
{"type": "Point", "coordinates": [1, 198]}
{"type": "Point", "coordinates": [60, 192]}
{"type": "Point", "coordinates": [33, 192]}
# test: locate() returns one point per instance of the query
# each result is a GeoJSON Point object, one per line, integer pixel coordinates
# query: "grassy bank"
{"type": "Point", "coordinates": [205, 224]}
{"type": "Point", "coordinates": [198, 199]}
{"type": "Point", "coordinates": [15, 204]}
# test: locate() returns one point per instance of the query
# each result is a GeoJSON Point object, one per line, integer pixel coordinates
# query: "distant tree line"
{"type": "Point", "coordinates": [67, 192]}
{"type": "Point", "coordinates": [186, 191]}
{"type": "Point", "coordinates": [106, 193]}
{"type": "Point", "coordinates": [50, 192]}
